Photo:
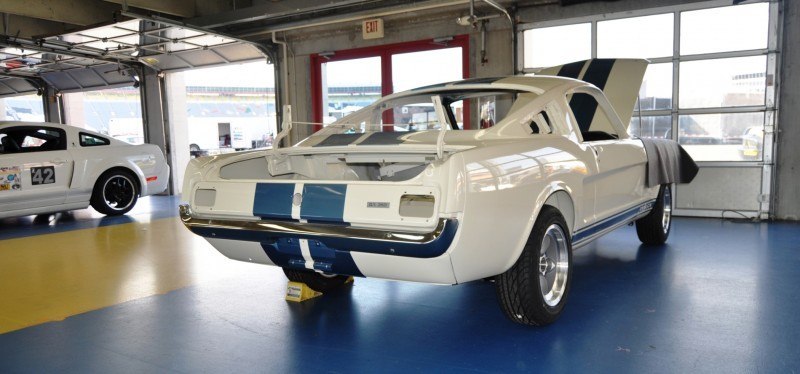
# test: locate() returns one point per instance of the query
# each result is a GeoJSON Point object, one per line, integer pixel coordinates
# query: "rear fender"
{"type": "Point", "coordinates": [557, 195]}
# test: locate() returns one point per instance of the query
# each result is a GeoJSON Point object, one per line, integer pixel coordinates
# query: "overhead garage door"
{"type": "Point", "coordinates": [710, 86]}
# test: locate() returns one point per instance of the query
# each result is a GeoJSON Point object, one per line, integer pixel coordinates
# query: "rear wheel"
{"type": "Point", "coordinates": [534, 290]}
{"type": "Point", "coordinates": [654, 228]}
{"type": "Point", "coordinates": [318, 282]}
{"type": "Point", "coordinates": [115, 193]}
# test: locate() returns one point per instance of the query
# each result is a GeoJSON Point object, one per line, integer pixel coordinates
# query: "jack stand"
{"type": "Point", "coordinates": [299, 292]}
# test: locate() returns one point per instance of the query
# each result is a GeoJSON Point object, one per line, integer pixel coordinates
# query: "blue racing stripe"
{"type": "Point", "coordinates": [323, 202]}
{"type": "Point", "coordinates": [611, 221]}
{"type": "Point", "coordinates": [286, 253]}
{"type": "Point", "coordinates": [273, 200]}
{"type": "Point", "coordinates": [331, 260]}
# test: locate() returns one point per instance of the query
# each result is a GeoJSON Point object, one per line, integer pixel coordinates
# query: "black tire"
{"type": "Point", "coordinates": [654, 228]}
{"type": "Point", "coordinates": [115, 193]}
{"type": "Point", "coordinates": [318, 282]}
{"type": "Point", "coordinates": [520, 289]}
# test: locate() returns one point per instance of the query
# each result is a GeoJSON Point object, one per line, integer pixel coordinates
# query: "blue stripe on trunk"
{"type": "Point", "coordinates": [273, 200]}
{"type": "Point", "coordinates": [323, 202]}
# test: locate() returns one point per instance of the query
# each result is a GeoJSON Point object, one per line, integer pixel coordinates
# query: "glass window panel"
{"type": "Point", "coordinates": [550, 46]}
{"type": "Point", "coordinates": [87, 140]}
{"type": "Point", "coordinates": [651, 127]}
{"type": "Point", "coordinates": [723, 82]}
{"type": "Point", "coordinates": [441, 65]}
{"type": "Point", "coordinates": [656, 90]}
{"type": "Point", "coordinates": [722, 136]}
{"type": "Point", "coordinates": [227, 108]}
{"type": "Point", "coordinates": [639, 37]}
{"type": "Point", "coordinates": [732, 28]}
{"type": "Point", "coordinates": [116, 112]}
{"type": "Point", "coordinates": [349, 85]}
{"type": "Point", "coordinates": [22, 108]}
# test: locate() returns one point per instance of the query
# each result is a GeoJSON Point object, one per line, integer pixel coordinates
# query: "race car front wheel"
{"type": "Point", "coordinates": [654, 228]}
{"type": "Point", "coordinates": [115, 193]}
{"type": "Point", "coordinates": [318, 282]}
{"type": "Point", "coordinates": [534, 290]}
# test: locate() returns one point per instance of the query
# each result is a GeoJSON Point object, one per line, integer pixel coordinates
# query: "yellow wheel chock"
{"type": "Point", "coordinates": [299, 292]}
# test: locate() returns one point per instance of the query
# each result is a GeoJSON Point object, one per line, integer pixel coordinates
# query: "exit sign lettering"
{"type": "Point", "coordinates": [372, 28]}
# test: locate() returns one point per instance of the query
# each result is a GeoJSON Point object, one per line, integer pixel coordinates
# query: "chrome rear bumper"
{"type": "Point", "coordinates": [342, 237]}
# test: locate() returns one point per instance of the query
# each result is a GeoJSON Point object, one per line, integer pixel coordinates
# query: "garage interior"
{"type": "Point", "coordinates": [83, 292]}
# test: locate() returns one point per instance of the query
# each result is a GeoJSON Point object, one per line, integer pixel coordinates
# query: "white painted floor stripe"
{"type": "Point", "coordinates": [306, 254]}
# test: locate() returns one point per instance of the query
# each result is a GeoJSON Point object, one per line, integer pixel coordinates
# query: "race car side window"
{"type": "Point", "coordinates": [26, 139]}
{"type": "Point", "coordinates": [89, 140]}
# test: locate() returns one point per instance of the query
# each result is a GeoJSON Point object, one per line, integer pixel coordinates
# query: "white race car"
{"type": "Point", "coordinates": [397, 191]}
{"type": "Point", "coordinates": [49, 167]}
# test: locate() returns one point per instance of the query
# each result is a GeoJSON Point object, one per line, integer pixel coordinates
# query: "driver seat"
{"type": "Point", "coordinates": [9, 145]}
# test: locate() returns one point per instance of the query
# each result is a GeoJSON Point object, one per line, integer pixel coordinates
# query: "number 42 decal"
{"type": "Point", "coordinates": [43, 175]}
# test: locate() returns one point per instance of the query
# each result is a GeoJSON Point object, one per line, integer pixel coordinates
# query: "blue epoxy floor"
{"type": "Point", "coordinates": [721, 297]}
{"type": "Point", "coordinates": [146, 209]}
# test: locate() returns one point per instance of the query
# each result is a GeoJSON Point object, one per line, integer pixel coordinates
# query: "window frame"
{"type": "Point", "coordinates": [62, 134]}
{"type": "Point", "coordinates": [772, 51]}
{"type": "Point", "coordinates": [385, 52]}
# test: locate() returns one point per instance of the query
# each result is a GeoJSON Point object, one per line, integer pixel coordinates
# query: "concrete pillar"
{"type": "Point", "coordinates": [178, 127]}
{"type": "Point", "coordinates": [52, 106]}
{"type": "Point", "coordinates": [156, 129]}
{"type": "Point", "coordinates": [786, 203]}
{"type": "Point", "coordinates": [74, 111]}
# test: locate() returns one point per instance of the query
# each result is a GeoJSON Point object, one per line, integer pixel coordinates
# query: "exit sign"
{"type": "Point", "coordinates": [372, 28]}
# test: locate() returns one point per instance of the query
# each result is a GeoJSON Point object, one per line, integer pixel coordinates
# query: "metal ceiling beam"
{"type": "Point", "coordinates": [187, 26]}
{"type": "Point", "coordinates": [271, 11]}
{"type": "Point", "coordinates": [261, 31]}
{"type": "Point", "coordinates": [181, 8]}
{"type": "Point", "coordinates": [27, 27]}
{"type": "Point", "coordinates": [75, 12]}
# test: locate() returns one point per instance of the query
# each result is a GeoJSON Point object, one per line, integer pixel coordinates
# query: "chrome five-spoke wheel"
{"type": "Point", "coordinates": [535, 289]}
{"type": "Point", "coordinates": [667, 213]}
{"type": "Point", "coordinates": [553, 265]}
{"type": "Point", "coordinates": [654, 227]}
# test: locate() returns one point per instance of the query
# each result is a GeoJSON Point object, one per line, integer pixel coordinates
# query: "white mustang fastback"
{"type": "Point", "coordinates": [49, 167]}
{"type": "Point", "coordinates": [397, 190]}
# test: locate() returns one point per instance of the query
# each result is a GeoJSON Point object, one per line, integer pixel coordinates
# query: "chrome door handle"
{"type": "Point", "coordinates": [58, 162]}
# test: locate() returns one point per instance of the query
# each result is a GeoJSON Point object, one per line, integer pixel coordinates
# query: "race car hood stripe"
{"type": "Point", "coordinates": [378, 138]}
{"type": "Point", "coordinates": [583, 105]}
{"type": "Point", "coordinates": [385, 138]}
{"type": "Point", "coordinates": [571, 70]}
{"type": "Point", "coordinates": [335, 140]}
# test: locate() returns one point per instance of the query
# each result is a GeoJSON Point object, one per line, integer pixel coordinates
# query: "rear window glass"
{"type": "Point", "coordinates": [88, 140]}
